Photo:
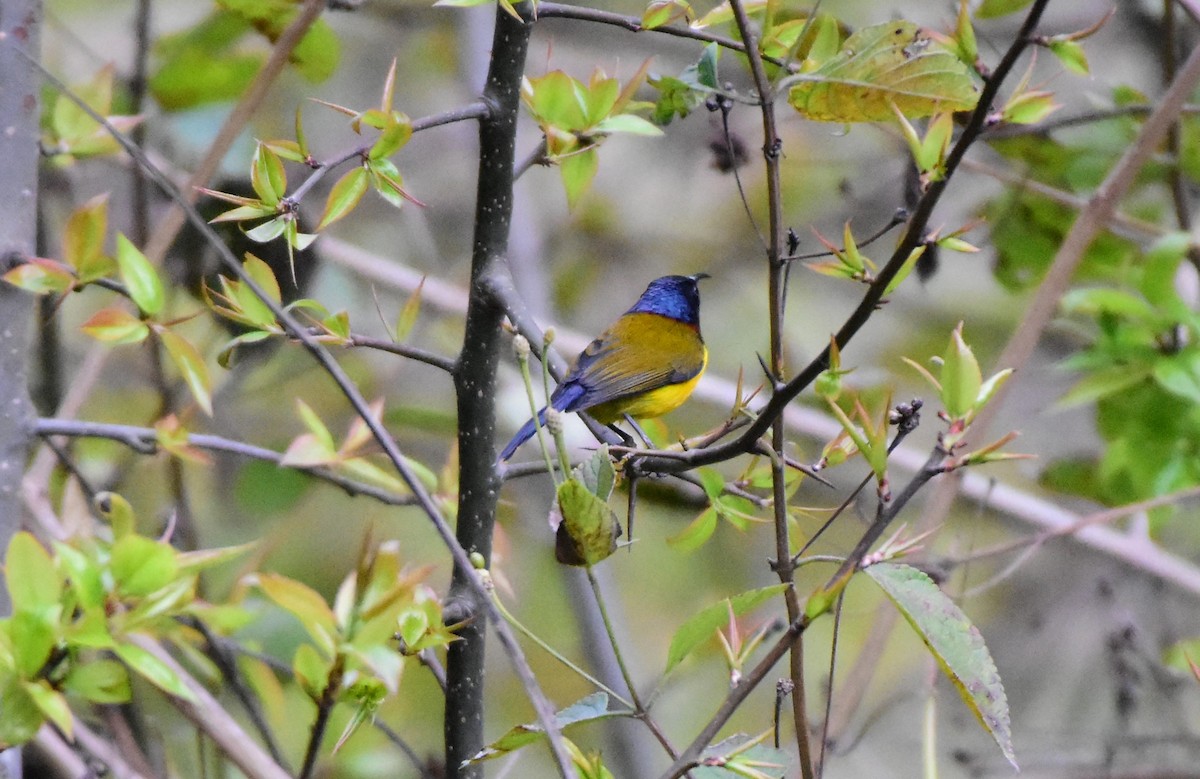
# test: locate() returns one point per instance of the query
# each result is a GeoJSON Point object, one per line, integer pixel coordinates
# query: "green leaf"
{"type": "Point", "coordinates": [588, 530]}
{"type": "Point", "coordinates": [344, 196]}
{"type": "Point", "coordinates": [700, 627]}
{"type": "Point", "coordinates": [628, 123]}
{"type": "Point", "coordinates": [153, 670]}
{"type": "Point", "coordinates": [589, 709]}
{"type": "Point", "coordinates": [302, 602]}
{"type": "Point", "coordinates": [743, 756]}
{"type": "Point", "coordinates": [1070, 54]}
{"type": "Point", "coordinates": [663, 12]}
{"type": "Point", "coordinates": [53, 704]}
{"type": "Point", "coordinates": [1179, 374]}
{"type": "Point", "coordinates": [311, 670]}
{"type": "Point", "coordinates": [140, 277]}
{"type": "Point", "coordinates": [706, 66]}
{"type": "Point", "coordinates": [1102, 383]}
{"type": "Point", "coordinates": [70, 122]}
{"type": "Point", "coordinates": [116, 326]}
{"type": "Point", "coordinates": [269, 230]}
{"type": "Point", "coordinates": [22, 717]}
{"type": "Point", "coordinates": [961, 378]}
{"type": "Point", "coordinates": [597, 473]}
{"type": "Point", "coordinates": [99, 681]}
{"type": "Point", "coordinates": [1093, 301]}
{"type": "Point", "coordinates": [203, 559]}
{"type": "Point", "coordinates": [881, 66]}
{"type": "Point", "coordinates": [316, 56]}
{"type": "Point", "coordinates": [954, 642]}
{"type": "Point", "coordinates": [197, 66]}
{"type": "Point", "coordinates": [267, 176]}
{"type": "Point", "coordinates": [33, 635]}
{"type": "Point", "coordinates": [84, 574]}
{"type": "Point", "coordinates": [393, 138]}
{"type": "Point", "coordinates": [696, 533]}
{"type": "Point", "coordinates": [191, 368]}
{"type": "Point", "coordinates": [252, 306]}
{"type": "Point", "coordinates": [33, 583]}
{"type": "Point", "coordinates": [577, 170]}
{"type": "Point", "coordinates": [408, 314]}
{"type": "Point", "coordinates": [990, 9]}
{"type": "Point", "coordinates": [1159, 267]}
{"type": "Point", "coordinates": [142, 565]}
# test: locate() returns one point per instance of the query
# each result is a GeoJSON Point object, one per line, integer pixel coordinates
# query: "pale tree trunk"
{"type": "Point", "coordinates": [20, 22]}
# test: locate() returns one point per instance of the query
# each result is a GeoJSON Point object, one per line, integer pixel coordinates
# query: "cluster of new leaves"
{"type": "Point", "coordinates": [69, 133]}
{"type": "Point", "coordinates": [576, 117]}
{"type": "Point", "coordinates": [382, 613]}
{"type": "Point", "coordinates": [85, 263]}
{"type": "Point", "coordinates": [277, 212]}
{"type": "Point", "coordinates": [317, 448]}
{"type": "Point", "coordinates": [1142, 368]}
{"type": "Point", "coordinates": [88, 612]}
{"type": "Point", "coordinates": [80, 612]}
{"type": "Point", "coordinates": [209, 61]}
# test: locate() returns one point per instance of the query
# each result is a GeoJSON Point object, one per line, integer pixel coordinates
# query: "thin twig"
{"type": "Point", "coordinates": [171, 223]}
{"type": "Point", "coordinates": [224, 661]}
{"type": "Point", "coordinates": [207, 714]}
{"type": "Point", "coordinates": [404, 350]}
{"type": "Point", "coordinates": [633, 24]}
{"type": "Point", "coordinates": [143, 440]}
{"type": "Point", "coordinates": [329, 696]}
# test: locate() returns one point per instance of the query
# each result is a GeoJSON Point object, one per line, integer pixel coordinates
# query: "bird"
{"type": "Point", "coordinates": [644, 365]}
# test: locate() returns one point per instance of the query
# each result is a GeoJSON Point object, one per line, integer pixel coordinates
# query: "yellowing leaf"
{"type": "Point", "coordinates": [83, 240]}
{"type": "Point", "coordinates": [191, 367]}
{"type": "Point", "coordinates": [40, 276]}
{"type": "Point", "coordinates": [588, 528]}
{"type": "Point", "coordinates": [881, 65]}
{"type": "Point", "coordinates": [954, 642]}
{"type": "Point", "coordinates": [116, 326]}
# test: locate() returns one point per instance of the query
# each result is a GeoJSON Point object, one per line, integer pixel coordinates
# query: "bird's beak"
{"type": "Point", "coordinates": [699, 276]}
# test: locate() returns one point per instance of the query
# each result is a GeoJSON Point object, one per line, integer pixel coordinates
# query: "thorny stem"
{"type": "Point", "coordinates": [776, 268]}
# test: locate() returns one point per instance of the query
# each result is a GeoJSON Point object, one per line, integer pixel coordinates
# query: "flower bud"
{"type": "Point", "coordinates": [521, 347]}
{"type": "Point", "coordinates": [554, 421]}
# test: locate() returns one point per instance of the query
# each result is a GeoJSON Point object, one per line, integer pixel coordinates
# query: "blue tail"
{"type": "Point", "coordinates": [523, 435]}
{"type": "Point", "coordinates": [563, 399]}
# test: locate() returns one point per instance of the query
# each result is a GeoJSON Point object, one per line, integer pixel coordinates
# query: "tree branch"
{"type": "Point", "coordinates": [874, 295]}
{"type": "Point", "coordinates": [144, 440]}
{"type": "Point", "coordinates": [20, 28]}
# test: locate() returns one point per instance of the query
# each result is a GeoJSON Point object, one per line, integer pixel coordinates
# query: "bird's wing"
{"type": "Point", "coordinates": [626, 361]}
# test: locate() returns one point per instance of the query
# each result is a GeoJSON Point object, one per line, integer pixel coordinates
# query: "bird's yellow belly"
{"type": "Point", "coordinates": [647, 405]}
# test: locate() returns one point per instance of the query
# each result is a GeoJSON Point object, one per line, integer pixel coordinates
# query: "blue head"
{"type": "Point", "coordinates": [677, 297]}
